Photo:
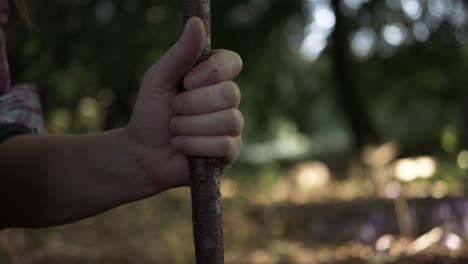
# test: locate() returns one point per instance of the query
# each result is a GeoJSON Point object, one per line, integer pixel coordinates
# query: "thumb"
{"type": "Point", "coordinates": [169, 71]}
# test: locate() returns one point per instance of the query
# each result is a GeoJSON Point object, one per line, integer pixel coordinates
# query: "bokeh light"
{"type": "Point", "coordinates": [317, 32]}
{"type": "Point", "coordinates": [410, 169]}
{"type": "Point", "coordinates": [421, 32]}
{"type": "Point", "coordinates": [412, 8]}
{"type": "Point", "coordinates": [394, 34]}
{"type": "Point", "coordinates": [462, 159]}
{"type": "Point", "coordinates": [363, 42]}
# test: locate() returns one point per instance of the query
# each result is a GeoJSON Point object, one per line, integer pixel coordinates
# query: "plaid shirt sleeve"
{"type": "Point", "coordinates": [19, 105]}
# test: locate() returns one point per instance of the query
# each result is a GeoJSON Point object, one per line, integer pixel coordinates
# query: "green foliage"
{"type": "Point", "coordinates": [87, 58]}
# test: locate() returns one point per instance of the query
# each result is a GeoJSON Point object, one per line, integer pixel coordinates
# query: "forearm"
{"type": "Point", "coordinates": [50, 180]}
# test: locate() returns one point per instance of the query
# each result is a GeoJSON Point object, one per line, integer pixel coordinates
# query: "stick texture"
{"type": "Point", "coordinates": [205, 173]}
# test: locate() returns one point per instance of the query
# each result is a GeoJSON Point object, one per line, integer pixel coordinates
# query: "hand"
{"type": "Point", "coordinates": [167, 127]}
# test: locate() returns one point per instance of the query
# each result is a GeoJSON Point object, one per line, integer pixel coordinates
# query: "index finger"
{"type": "Point", "coordinates": [222, 65]}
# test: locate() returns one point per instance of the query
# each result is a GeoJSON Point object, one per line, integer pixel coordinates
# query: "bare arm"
{"type": "Point", "coordinates": [49, 180]}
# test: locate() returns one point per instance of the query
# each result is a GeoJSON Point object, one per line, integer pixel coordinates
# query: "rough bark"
{"type": "Point", "coordinates": [201, 9]}
{"type": "Point", "coordinates": [205, 173]}
{"type": "Point", "coordinates": [206, 211]}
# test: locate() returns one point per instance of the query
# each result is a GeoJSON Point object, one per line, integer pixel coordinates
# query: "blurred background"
{"type": "Point", "coordinates": [356, 137]}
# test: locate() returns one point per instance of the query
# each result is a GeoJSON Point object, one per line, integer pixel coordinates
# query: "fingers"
{"type": "Point", "coordinates": [227, 122]}
{"type": "Point", "coordinates": [177, 62]}
{"type": "Point", "coordinates": [222, 65]}
{"type": "Point", "coordinates": [207, 99]}
{"type": "Point", "coordinates": [220, 147]}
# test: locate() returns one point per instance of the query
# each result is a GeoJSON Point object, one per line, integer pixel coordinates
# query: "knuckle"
{"type": "Point", "coordinates": [174, 125]}
{"type": "Point", "coordinates": [176, 105]}
{"type": "Point", "coordinates": [236, 122]}
{"type": "Point", "coordinates": [235, 152]}
{"type": "Point", "coordinates": [181, 143]}
{"type": "Point", "coordinates": [227, 146]}
{"type": "Point", "coordinates": [237, 60]}
{"type": "Point", "coordinates": [186, 102]}
{"type": "Point", "coordinates": [231, 94]}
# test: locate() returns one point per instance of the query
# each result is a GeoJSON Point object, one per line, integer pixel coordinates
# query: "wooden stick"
{"type": "Point", "coordinates": [205, 173]}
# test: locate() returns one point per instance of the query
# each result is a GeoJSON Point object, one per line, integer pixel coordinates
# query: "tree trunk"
{"type": "Point", "coordinates": [205, 173]}
{"type": "Point", "coordinates": [346, 88]}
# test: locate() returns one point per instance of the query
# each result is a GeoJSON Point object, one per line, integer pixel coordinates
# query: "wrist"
{"type": "Point", "coordinates": [137, 164]}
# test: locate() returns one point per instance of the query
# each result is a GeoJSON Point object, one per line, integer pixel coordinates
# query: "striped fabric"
{"type": "Point", "coordinates": [21, 106]}
{"type": "Point", "coordinates": [18, 104]}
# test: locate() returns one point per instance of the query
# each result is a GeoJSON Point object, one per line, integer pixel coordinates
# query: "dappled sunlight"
{"type": "Point", "coordinates": [425, 241]}
{"type": "Point", "coordinates": [462, 159]}
{"type": "Point", "coordinates": [421, 32]}
{"type": "Point", "coordinates": [372, 171]}
{"type": "Point", "coordinates": [379, 156]}
{"type": "Point", "coordinates": [229, 188]}
{"type": "Point", "coordinates": [412, 8]}
{"type": "Point", "coordinates": [384, 242]}
{"type": "Point", "coordinates": [59, 121]}
{"type": "Point", "coordinates": [425, 18]}
{"type": "Point", "coordinates": [449, 138]}
{"type": "Point", "coordinates": [440, 8]}
{"type": "Point", "coordinates": [279, 224]}
{"type": "Point", "coordinates": [439, 190]}
{"type": "Point", "coordinates": [386, 250]}
{"type": "Point", "coordinates": [453, 241]}
{"type": "Point", "coordinates": [311, 175]}
{"type": "Point", "coordinates": [410, 169]}
{"type": "Point", "coordinates": [287, 143]}
{"type": "Point", "coordinates": [363, 42]}
{"type": "Point", "coordinates": [318, 31]}
{"type": "Point", "coordinates": [394, 34]}
{"type": "Point", "coordinates": [313, 181]}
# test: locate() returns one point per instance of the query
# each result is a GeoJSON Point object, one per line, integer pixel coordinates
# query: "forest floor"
{"type": "Point", "coordinates": [273, 218]}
